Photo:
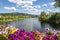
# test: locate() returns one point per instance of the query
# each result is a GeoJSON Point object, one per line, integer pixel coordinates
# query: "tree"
{"type": "Point", "coordinates": [57, 4]}
{"type": "Point", "coordinates": [55, 18]}
{"type": "Point", "coordinates": [43, 17]}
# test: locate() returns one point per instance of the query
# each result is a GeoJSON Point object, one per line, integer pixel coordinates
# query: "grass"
{"type": "Point", "coordinates": [9, 18]}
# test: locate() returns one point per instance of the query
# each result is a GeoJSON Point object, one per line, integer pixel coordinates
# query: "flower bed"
{"type": "Point", "coordinates": [12, 33]}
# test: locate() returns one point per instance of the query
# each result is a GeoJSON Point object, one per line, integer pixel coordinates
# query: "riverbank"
{"type": "Point", "coordinates": [29, 24]}
{"type": "Point", "coordinates": [12, 18]}
{"type": "Point", "coordinates": [8, 17]}
{"type": "Point", "coordinates": [53, 19]}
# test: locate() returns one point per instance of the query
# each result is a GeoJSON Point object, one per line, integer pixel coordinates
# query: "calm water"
{"type": "Point", "coordinates": [31, 24]}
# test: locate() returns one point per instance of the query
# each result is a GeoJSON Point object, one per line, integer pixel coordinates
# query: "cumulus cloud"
{"type": "Point", "coordinates": [32, 7]}
{"type": "Point", "coordinates": [33, 10]}
{"type": "Point", "coordinates": [37, 6]}
{"type": "Point", "coordinates": [49, 10]}
{"type": "Point", "coordinates": [22, 2]}
{"type": "Point", "coordinates": [57, 10]}
{"type": "Point", "coordinates": [27, 5]}
{"type": "Point", "coordinates": [10, 8]}
{"type": "Point", "coordinates": [52, 3]}
{"type": "Point", "coordinates": [45, 5]}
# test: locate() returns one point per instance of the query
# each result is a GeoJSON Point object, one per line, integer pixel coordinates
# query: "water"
{"type": "Point", "coordinates": [31, 24]}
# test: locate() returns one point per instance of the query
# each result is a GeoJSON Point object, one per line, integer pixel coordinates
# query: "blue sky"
{"type": "Point", "coordinates": [27, 6]}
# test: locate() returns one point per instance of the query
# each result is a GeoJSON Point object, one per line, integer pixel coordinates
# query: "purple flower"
{"type": "Point", "coordinates": [44, 38]}
{"type": "Point", "coordinates": [53, 38]}
{"type": "Point", "coordinates": [15, 38]}
{"type": "Point", "coordinates": [48, 36]}
{"type": "Point", "coordinates": [22, 38]}
{"type": "Point", "coordinates": [23, 35]}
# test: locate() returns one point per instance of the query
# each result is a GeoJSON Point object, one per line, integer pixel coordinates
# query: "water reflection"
{"type": "Point", "coordinates": [31, 24]}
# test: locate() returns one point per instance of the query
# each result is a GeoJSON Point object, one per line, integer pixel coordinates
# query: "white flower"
{"type": "Point", "coordinates": [1, 32]}
{"type": "Point", "coordinates": [5, 32]}
{"type": "Point", "coordinates": [7, 28]}
{"type": "Point", "coordinates": [46, 29]}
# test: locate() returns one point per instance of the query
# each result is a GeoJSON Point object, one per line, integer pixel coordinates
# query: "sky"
{"type": "Point", "coordinates": [28, 6]}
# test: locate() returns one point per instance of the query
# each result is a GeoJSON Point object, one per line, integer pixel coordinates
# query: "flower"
{"type": "Point", "coordinates": [5, 32]}
{"type": "Point", "coordinates": [1, 32]}
{"type": "Point", "coordinates": [14, 30]}
{"type": "Point", "coordinates": [1, 27]}
{"type": "Point", "coordinates": [47, 29]}
{"type": "Point", "coordinates": [44, 38]}
{"type": "Point", "coordinates": [13, 33]}
{"type": "Point", "coordinates": [37, 33]}
{"type": "Point", "coordinates": [7, 28]}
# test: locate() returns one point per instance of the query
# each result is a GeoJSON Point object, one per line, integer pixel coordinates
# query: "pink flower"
{"type": "Point", "coordinates": [0, 27]}
{"type": "Point", "coordinates": [1, 32]}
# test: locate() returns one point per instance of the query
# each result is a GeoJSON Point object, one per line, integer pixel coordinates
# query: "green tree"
{"type": "Point", "coordinates": [43, 17]}
{"type": "Point", "coordinates": [55, 18]}
{"type": "Point", "coordinates": [57, 4]}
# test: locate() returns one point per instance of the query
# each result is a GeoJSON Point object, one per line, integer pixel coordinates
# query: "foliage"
{"type": "Point", "coordinates": [57, 4]}
{"type": "Point", "coordinates": [44, 17]}
{"type": "Point", "coordinates": [55, 18]}
{"type": "Point", "coordinates": [8, 17]}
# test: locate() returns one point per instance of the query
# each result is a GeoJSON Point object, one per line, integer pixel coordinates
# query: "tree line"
{"type": "Point", "coordinates": [50, 18]}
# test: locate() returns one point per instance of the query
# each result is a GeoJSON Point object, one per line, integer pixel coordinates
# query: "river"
{"type": "Point", "coordinates": [31, 24]}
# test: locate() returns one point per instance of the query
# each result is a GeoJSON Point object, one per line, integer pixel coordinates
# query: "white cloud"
{"type": "Point", "coordinates": [49, 10]}
{"type": "Point", "coordinates": [27, 5]}
{"type": "Point", "coordinates": [45, 5]}
{"type": "Point", "coordinates": [52, 3]}
{"type": "Point", "coordinates": [14, 1]}
{"type": "Point", "coordinates": [31, 8]}
{"type": "Point", "coordinates": [57, 10]}
{"type": "Point", "coordinates": [37, 6]}
{"type": "Point", "coordinates": [10, 8]}
{"type": "Point", "coordinates": [22, 2]}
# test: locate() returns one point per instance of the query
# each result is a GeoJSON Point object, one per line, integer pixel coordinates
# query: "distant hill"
{"type": "Point", "coordinates": [16, 14]}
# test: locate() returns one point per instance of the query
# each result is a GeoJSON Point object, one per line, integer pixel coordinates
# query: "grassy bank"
{"type": "Point", "coordinates": [7, 17]}
{"type": "Point", "coordinates": [12, 18]}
